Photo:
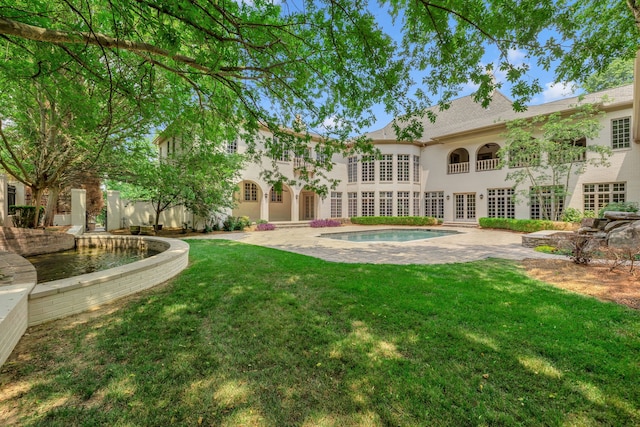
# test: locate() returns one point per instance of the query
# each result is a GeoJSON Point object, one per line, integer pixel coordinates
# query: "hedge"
{"type": "Point", "coordinates": [394, 220]}
{"type": "Point", "coordinates": [523, 225]}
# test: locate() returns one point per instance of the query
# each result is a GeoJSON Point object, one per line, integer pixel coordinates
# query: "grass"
{"type": "Point", "coordinates": [253, 336]}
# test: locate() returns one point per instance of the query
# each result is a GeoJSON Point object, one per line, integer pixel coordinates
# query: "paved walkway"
{"type": "Point", "coordinates": [470, 245]}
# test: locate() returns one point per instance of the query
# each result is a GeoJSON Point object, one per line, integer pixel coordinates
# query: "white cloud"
{"type": "Point", "coordinates": [554, 91]}
{"type": "Point", "coordinates": [516, 56]}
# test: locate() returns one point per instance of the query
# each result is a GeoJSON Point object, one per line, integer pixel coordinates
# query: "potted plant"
{"type": "Point", "coordinates": [134, 229]}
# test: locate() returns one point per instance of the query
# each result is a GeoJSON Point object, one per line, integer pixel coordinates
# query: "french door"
{"type": "Point", "coordinates": [465, 206]}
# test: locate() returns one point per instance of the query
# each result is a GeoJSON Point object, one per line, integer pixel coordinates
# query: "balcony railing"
{"type": "Point", "coordinates": [458, 168]}
{"type": "Point", "coordinates": [300, 163]}
{"type": "Point", "coordinates": [487, 165]}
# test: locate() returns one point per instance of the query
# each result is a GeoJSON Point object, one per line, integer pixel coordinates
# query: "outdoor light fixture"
{"type": "Point", "coordinates": [448, 197]}
{"type": "Point", "coordinates": [481, 196]}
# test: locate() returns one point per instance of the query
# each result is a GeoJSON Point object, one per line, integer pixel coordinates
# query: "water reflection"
{"type": "Point", "coordinates": [61, 265]}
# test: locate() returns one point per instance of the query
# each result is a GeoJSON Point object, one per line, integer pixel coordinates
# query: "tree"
{"type": "Point", "coordinates": [56, 123]}
{"type": "Point", "coordinates": [618, 73]}
{"type": "Point", "coordinates": [546, 151]}
{"type": "Point", "coordinates": [261, 63]}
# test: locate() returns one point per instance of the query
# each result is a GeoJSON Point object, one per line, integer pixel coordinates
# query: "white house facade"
{"type": "Point", "coordinates": [452, 172]}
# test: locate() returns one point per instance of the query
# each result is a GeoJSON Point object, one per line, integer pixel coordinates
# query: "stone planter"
{"type": "Point", "coordinates": [134, 229]}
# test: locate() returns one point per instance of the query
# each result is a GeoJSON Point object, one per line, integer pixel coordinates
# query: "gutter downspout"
{"type": "Point", "coordinates": [636, 99]}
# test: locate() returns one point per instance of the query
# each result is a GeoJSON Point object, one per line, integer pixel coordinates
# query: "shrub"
{"type": "Point", "coordinates": [261, 221]}
{"type": "Point", "coordinates": [523, 225]}
{"type": "Point", "coordinates": [546, 249]}
{"type": "Point", "coordinates": [265, 226]}
{"type": "Point", "coordinates": [23, 216]}
{"type": "Point", "coordinates": [618, 207]}
{"type": "Point", "coordinates": [394, 220]}
{"type": "Point", "coordinates": [318, 223]}
{"type": "Point", "coordinates": [572, 215]}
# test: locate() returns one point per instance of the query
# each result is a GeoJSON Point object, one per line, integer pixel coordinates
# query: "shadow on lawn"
{"type": "Point", "coordinates": [254, 336]}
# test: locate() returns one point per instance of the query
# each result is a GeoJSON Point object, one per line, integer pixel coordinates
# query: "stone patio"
{"type": "Point", "coordinates": [471, 244]}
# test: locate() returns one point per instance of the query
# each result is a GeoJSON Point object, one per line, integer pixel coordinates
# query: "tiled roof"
{"type": "Point", "coordinates": [465, 115]}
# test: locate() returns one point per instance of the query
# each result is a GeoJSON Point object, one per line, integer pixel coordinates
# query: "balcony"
{"type": "Point", "coordinates": [487, 165]}
{"type": "Point", "coordinates": [301, 164]}
{"type": "Point", "coordinates": [458, 168]}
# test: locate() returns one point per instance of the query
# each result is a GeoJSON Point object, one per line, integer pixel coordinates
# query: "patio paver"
{"type": "Point", "coordinates": [470, 245]}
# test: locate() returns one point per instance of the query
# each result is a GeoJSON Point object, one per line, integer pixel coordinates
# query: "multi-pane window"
{"type": "Point", "coordinates": [280, 152]}
{"type": "Point", "coordinates": [232, 147]}
{"type": "Point", "coordinates": [416, 168]}
{"type": "Point", "coordinates": [416, 203]}
{"type": "Point", "coordinates": [597, 196]}
{"type": "Point", "coordinates": [275, 196]}
{"type": "Point", "coordinates": [250, 192]}
{"type": "Point", "coordinates": [403, 203]}
{"type": "Point", "coordinates": [546, 202]}
{"type": "Point", "coordinates": [386, 167]}
{"type": "Point", "coordinates": [621, 133]}
{"type": "Point", "coordinates": [352, 169]}
{"type": "Point", "coordinates": [434, 204]}
{"type": "Point", "coordinates": [368, 169]}
{"type": "Point", "coordinates": [336, 204]}
{"type": "Point", "coordinates": [368, 203]}
{"type": "Point", "coordinates": [403, 167]}
{"type": "Point", "coordinates": [500, 203]}
{"type": "Point", "coordinates": [321, 157]}
{"type": "Point", "coordinates": [386, 203]}
{"type": "Point", "coordinates": [352, 204]}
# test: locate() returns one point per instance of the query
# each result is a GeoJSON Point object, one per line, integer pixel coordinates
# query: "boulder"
{"type": "Point", "coordinates": [612, 225]}
{"type": "Point", "coordinates": [625, 236]}
{"type": "Point", "coordinates": [614, 215]}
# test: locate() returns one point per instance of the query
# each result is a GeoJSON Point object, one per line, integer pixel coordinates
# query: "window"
{"type": "Point", "coordinates": [416, 168]}
{"type": "Point", "coordinates": [597, 196]}
{"type": "Point", "coordinates": [386, 203]}
{"type": "Point", "coordinates": [386, 167]}
{"type": "Point", "coordinates": [368, 203]}
{"type": "Point", "coordinates": [403, 167]}
{"type": "Point", "coordinates": [336, 204]}
{"type": "Point", "coordinates": [352, 169]}
{"type": "Point", "coordinates": [11, 195]}
{"type": "Point", "coordinates": [368, 169]}
{"type": "Point", "coordinates": [500, 203]}
{"type": "Point", "coordinates": [434, 204]}
{"type": "Point", "coordinates": [416, 203]}
{"type": "Point", "coordinates": [403, 203]}
{"type": "Point", "coordinates": [275, 196]}
{"type": "Point", "coordinates": [569, 152]}
{"type": "Point", "coordinates": [232, 147]}
{"type": "Point", "coordinates": [352, 200]}
{"type": "Point", "coordinates": [280, 151]}
{"type": "Point", "coordinates": [620, 133]}
{"type": "Point", "coordinates": [321, 157]}
{"type": "Point", "coordinates": [547, 202]}
{"type": "Point", "coordinates": [250, 192]}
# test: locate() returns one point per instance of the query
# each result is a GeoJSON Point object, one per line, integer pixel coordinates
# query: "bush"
{"type": "Point", "coordinates": [572, 215]}
{"type": "Point", "coordinates": [522, 225]}
{"type": "Point", "coordinates": [546, 249]}
{"type": "Point", "coordinates": [618, 207]}
{"type": "Point", "coordinates": [232, 223]}
{"type": "Point", "coordinates": [265, 226]}
{"type": "Point", "coordinates": [23, 216]}
{"type": "Point", "coordinates": [318, 223]}
{"type": "Point", "coordinates": [394, 220]}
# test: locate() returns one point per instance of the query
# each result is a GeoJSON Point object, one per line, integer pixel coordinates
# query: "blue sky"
{"type": "Point", "coordinates": [552, 89]}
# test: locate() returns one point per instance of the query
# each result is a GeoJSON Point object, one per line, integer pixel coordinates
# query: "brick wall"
{"type": "Point", "coordinates": [27, 242]}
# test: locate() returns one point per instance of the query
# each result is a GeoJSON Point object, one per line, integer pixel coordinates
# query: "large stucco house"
{"type": "Point", "coordinates": [451, 173]}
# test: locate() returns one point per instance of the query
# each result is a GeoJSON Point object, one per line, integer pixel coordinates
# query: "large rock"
{"type": "Point", "coordinates": [612, 225]}
{"type": "Point", "coordinates": [621, 215]}
{"type": "Point", "coordinates": [627, 236]}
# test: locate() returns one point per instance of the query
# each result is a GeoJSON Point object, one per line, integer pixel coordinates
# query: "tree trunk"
{"type": "Point", "coordinates": [52, 203]}
{"type": "Point", "coordinates": [37, 196]}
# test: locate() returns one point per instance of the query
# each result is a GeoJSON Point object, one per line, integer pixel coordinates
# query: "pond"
{"type": "Point", "coordinates": [389, 235]}
{"type": "Point", "coordinates": [83, 260]}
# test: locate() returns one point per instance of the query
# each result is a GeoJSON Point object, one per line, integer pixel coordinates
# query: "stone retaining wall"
{"type": "Point", "coordinates": [27, 242]}
{"type": "Point", "coordinates": [18, 279]}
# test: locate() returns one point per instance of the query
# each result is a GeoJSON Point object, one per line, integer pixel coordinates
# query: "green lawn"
{"type": "Point", "coordinates": [255, 336]}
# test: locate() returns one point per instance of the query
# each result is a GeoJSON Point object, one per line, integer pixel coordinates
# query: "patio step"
{"type": "Point", "coordinates": [460, 224]}
{"type": "Point", "coordinates": [290, 224]}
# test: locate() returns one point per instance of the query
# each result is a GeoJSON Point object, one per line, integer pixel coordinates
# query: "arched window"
{"type": "Point", "coordinates": [487, 157]}
{"type": "Point", "coordinates": [458, 161]}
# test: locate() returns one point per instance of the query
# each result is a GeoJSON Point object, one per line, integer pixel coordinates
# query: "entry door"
{"type": "Point", "coordinates": [465, 206]}
{"type": "Point", "coordinates": [308, 206]}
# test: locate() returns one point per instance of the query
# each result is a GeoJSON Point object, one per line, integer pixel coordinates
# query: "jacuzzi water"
{"type": "Point", "coordinates": [62, 265]}
{"type": "Point", "coordinates": [389, 235]}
